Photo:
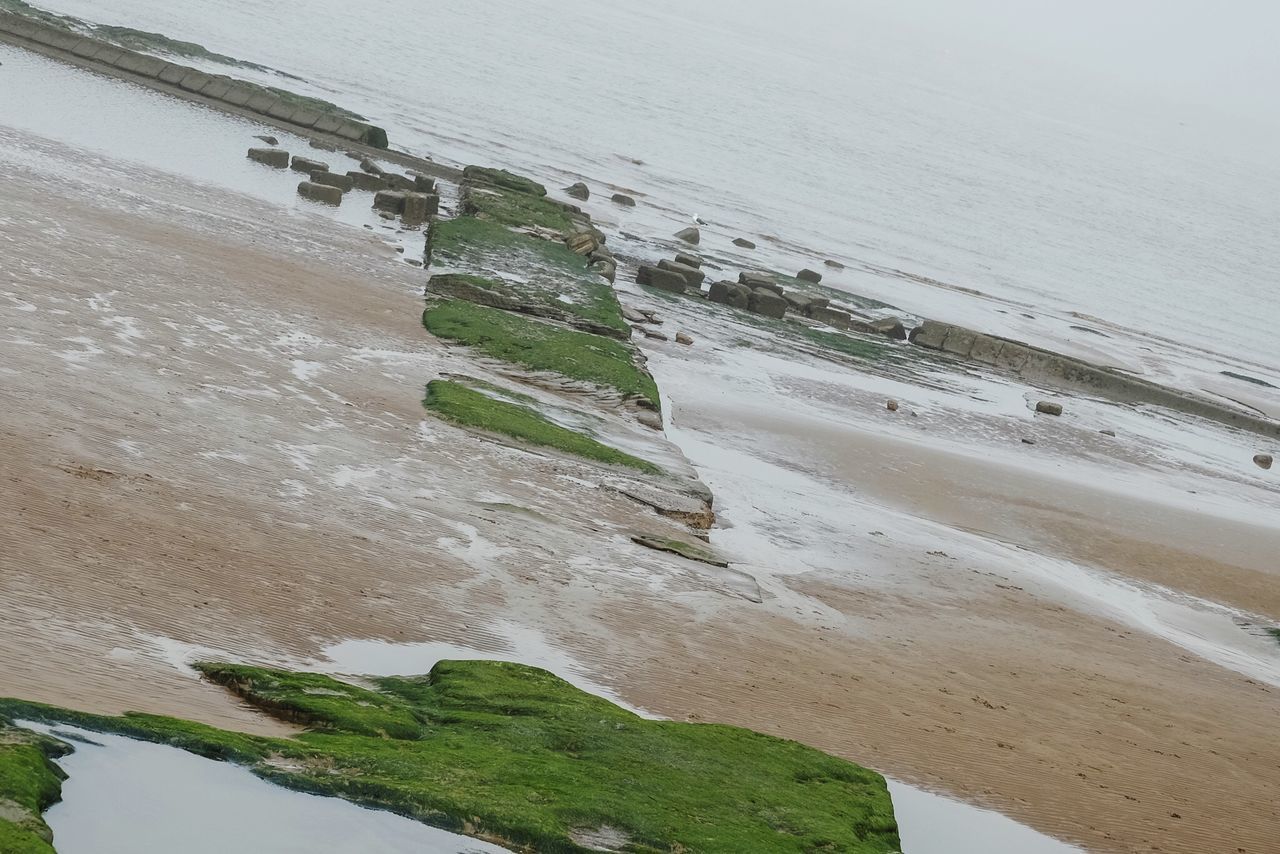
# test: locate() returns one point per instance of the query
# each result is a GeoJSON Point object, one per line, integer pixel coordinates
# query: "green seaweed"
{"type": "Point", "coordinates": [469, 408]}
{"type": "Point", "coordinates": [514, 754]}
{"type": "Point", "coordinates": [504, 179]}
{"type": "Point", "coordinates": [540, 346]}
{"type": "Point", "coordinates": [515, 209]}
{"type": "Point", "coordinates": [547, 271]}
{"type": "Point", "coordinates": [689, 551]}
{"type": "Point", "coordinates": [1275, 633]}
{"type": "Point", "coordinates": [29, 784]}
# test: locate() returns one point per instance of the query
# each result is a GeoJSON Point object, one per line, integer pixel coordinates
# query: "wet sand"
{"type": "Point", "coordinates": [213, 444]}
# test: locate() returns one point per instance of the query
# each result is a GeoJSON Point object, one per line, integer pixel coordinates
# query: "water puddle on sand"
{"type": "Point", "coordinates": [933, 824]}
{"type": "Point", "coordinates": [130, 797]}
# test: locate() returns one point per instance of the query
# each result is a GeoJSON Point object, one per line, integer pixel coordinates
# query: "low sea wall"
{"type": "Point", "coordinates": [1054, 369]}
{"type": "Point", "coordinates": [240, 94]}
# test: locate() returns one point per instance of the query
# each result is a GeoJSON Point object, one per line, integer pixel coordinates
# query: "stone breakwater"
{"type": "Point", "coordinates": [1049, 368]}
{"type": "Point", "coordinates": [279, 108]}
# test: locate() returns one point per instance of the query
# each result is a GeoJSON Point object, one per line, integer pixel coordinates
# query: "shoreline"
{"type": "Point", "coordinates": [669, 600]}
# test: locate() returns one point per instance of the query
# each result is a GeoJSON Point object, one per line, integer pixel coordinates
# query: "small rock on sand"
{"type": "Point", "coordinates": [892, 406]}
{"type": "Point", "coordinates": [807, 275]}
{"type": "Point", "coordinates": [269, 140]}
{"type": "Point", "coordinates": [1264, 461]}
{"type": "Point", "coordinates": [274, 157]}
{"type": "Point", "coordinates": [1049, 408]}
{"type": "Point", "coordinates": [624, 200]}
{"type": "Point", "coordinates": [654, 334]}
{"type": "Point", "coordinates": [681, 338]}
{"type": "Point", "coordinates": [578, 190]}
{"type": "Point", "coordinates": [743, 242]}
{"type": "Point", "coordinates": [835, 265]}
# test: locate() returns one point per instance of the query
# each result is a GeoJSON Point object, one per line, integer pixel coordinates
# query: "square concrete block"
{"type": "Point", "coordinates": [108, 54]}
{"type": "Point", "coordinates": [930, 334]}
{"type": "Point", "coordinates": [173, 73]}
{"type": "Point", "coordinates": [305, 117]}
{"type": "Point", "coordinates": [262, 102]}
{"type": "Point", "coordinates": [239, 94]}
{"type": "Point", "coordinates": [1012, 356]}
{"type": "Point", "coordinates": [986, 349]}
{"type": "Point", "coordinates": [86, 47]}
{"type": "Point", "coordinates": [217, 88]}
{"type": "Point", "coordinates": [959, 341]}
{"type": "Point", "coordinates": [282, 110]}
{"type": "Point", "coordinates": [353, 131]}
{"type": "Point", "coordinates": [195, 81]}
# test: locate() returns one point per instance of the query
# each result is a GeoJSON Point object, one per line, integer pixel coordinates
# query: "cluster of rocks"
{"type": "Point", "coordinates": [760, 293]}
{"type": "Point", "coordinates": [411, 197]}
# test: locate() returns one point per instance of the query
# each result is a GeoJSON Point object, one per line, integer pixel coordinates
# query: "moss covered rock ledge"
{"type": "Point", "coordinates": [514, 755]}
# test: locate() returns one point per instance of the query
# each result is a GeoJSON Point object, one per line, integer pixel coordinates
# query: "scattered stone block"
{"type": "Point", "coordinates": [986, 350]}
{"type": "Point", "coordinates": [743, 242]}
{"type": "Point", "coordinates": [332, 179]}
{"type": "Point", "coordinates": [682, 338]}
{"type": "Point", "coordinates": [663, 280]}
{"type": "Point", "coordinates": [417, 207]}
{"type": "Point", "coordinates": [767, 302]}
{"type": "Point", "coordinates": [1048, 407]}
{"type": "Point", "coordinates": [692, 275]}
{"type": "Point", "coordinates": [277, 158]}
{"type": "Point", "coordinates": [831, 316]}
{"type": "Point", "coordinates": [305, 164]}
{"type": "Point", "coordinates": [807, 275]}
{"type": "Point", "coordinates": [730, 293]}
{"type": "Point", "coordinates": [835, 265]}
{"type": "Point", "coordinates": [760, 280]}
{"type": "Point", "coordinates": [959, 341]}
{"type": "Point", "coordinates": [391, 201]}
{"type": "Point", "coordinates": [367, 165]}
{"type": "Point", "coordinates": [365, 181]}
{"type": "Point", "coordinates": [891, 327]}
{"type": "Point", "coordinates": [582, 242]}
{"type": "Point", "coordinates": [623, 199]}
{"type": "Point", "coordinates": [1263, 461]}
{"type": "Point", "coordinates": [320, 193]}
{"type": "Point", "coordinates": [578, 190]}
{"type": "Point", "coordinates": [424, 184]}
{"type": "Point", "coordinates": [689, 235]}
{"type": "Point", "coordinates": [688, 259]}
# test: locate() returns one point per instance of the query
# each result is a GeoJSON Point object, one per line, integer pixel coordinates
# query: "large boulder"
{"type": "Point", "coordinates": [730, 293]}
{"type": "Point", "coordinates": [419, 206]}
{"type": "Point", "coordinates": [663, 280]}
{"type": "Point", "coordinates": [578, 191]}
{"type": "Point", "coordinates": [688, 259]}
{"type": "Point", "coordinates": [333, 179]}
{"type": "Point", "coordinates": [809, 276]}
{"type": "Point", "coordinates": [391, 201]}
{"type": "Point", "coordinates": [304, 164]}
{"type": "Point", "coordinates": [274, 157]}
{"type": "Point", "coordinates": [767, 302]}
{"type": "Point", "coordinates": [320, 193]}
{"type": "Point", "coordinates": [365, 181]}
{"type": "Point", "coordinates": [692, 275]}
{"type": "Point", "coordinates": [689, 235]}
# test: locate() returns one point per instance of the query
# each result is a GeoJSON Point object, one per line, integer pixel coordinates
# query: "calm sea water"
{"type": "Point", "coordinates": [848, 129]}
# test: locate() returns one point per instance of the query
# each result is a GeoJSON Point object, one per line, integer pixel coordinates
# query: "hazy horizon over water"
{"type": "Point", "coordinates": [1109, 158]}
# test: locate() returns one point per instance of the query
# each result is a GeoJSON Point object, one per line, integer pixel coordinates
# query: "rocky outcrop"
{"type": "Point", "coordinates": [578, 190]}
{"type": "Point", "coordinates": [274, 157]}
{"type": "Point", "coordinates": [320, 193]}
{"type": "Point", "coordinates": [689, 235]}
{"type": "Point", "coordinates": [663, 280]}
